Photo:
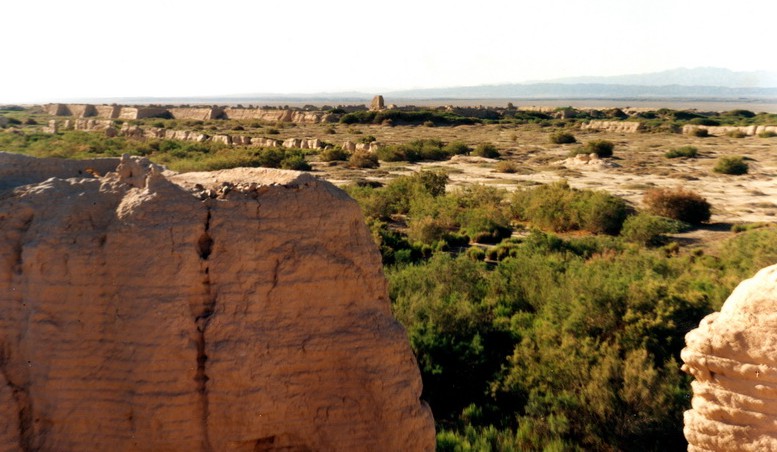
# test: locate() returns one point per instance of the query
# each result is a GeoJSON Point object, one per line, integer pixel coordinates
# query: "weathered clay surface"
{"type": "Point", "coordinates": [723, 130]}
{"type": "Point", "coordinates": [237, 310]}
{"type": "Point", "coordinates": [732, 356]}
{"type": "Point", "coordinates": [613, 126]}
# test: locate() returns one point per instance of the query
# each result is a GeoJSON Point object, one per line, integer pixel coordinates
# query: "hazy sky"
{"type": "Point", "coordinates": [77, 48]}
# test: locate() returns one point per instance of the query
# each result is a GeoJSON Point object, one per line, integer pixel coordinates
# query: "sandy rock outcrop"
{"type": "Point", "coordinates": [279, 115]}
{"type": "Point", "coordinates": [17, 169]}
{"type": "Point", "coordinates": [225, 311]}
{"type": "Point", "coordinates": [724, 130]}
{"type": "Point", "coordinates": [92, 125]}
{"type": "Point", "coordinates": [349, 146]}
{"type": "Point", "coordinates": [732, 356]}
{"type": "Point", "coordinates": [377, 103]}
{"type": "Point", "coordinates": [613, 126]}
{"type": "Point", "coordinates": [142, 112]}
{"type": "Point", "coordinates": [587, 161]}
{"type": "Point", "coordinates": [196, 113]}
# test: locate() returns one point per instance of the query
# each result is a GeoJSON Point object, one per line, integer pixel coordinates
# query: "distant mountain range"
{"type": "Point", "coordinates": [702, 76]}
{"type": "Point", "coordinates": [677, 83]}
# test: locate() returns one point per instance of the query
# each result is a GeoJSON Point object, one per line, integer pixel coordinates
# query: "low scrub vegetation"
{"type": "Point", "coordinates": [731, 164]}
{"type": "Point", "coordinates": [562, 138]}
{"type": "Point", "coordinates": [602, 148]}
{"type": "Point", "coordinates": [683, 151]}
{"type": "Point", "coordinates": [363, 159]}
{"type": "Point", "coordinates": [557, 207]}
{"type": "Point", "coordinates": [678, 204]}
{"type": "Point", "coordinates": [650, 230]}
{"type": "Point", "coordinates": [486, 150]}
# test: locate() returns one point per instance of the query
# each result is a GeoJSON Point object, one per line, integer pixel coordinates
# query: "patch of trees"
{"type": "Point", "coordinates": [541, 341]}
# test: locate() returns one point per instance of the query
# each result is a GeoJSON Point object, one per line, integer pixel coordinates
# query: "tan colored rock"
{"type": "Point", "coordinates": [50, 128]}
{"type": "Point", "coordinates": [92, 125]}
{"type": "Point", "coordinates": [224, 139]}
{"type": "Point", "coordinates": [196, 113]}
{"type": "Point", "coordinates": [349, 146]}
{"type": "Point", "coordinates": [17, 169]}
{"type": "Point", "coordinates": [724, 130]}
{"type": "Point", "coordinates": [377, 103]}
{"type": "Point", "coordinates": [264, 142]}
{"type": "Point", "coordinates": [141, 112]}
{"type": "Point", "coordinates": [226, 311]}
{"type": "Point", "coordinates": [279, 115]}
{"type": "Point", "coordinates": [292, 143]}
{"type": "Point", "coordinates": [613, 126]}
{"type": "Point", "coordinates": [732, 357]}
{"type": "Point", "coordinates": [107, 111]}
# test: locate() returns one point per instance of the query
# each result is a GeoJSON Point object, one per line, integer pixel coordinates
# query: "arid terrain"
{"type": "Point", "coordinates": [545, 289]}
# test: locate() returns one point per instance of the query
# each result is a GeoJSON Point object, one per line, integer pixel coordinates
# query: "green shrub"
{"type": "Point", "coordinates": [476, 253]}
{"type": "Point", "coordinates": [334, 155]}
{"type": "Point", "coordinates": [700, 133]}
{"type": "Point", "coordinates": [678, 204]}
{"type": "Point", "coordinates": [683, 151]}
{"type": "Point", "coordinates": [559, 207]}
{"type": "Point", "coordinates": [272, 131]}
{"type": "Point", "coordinates": [649, 230]}
{"type": "Point", "coordinates": [602, 148]}
{"type": "Point", "coordinates": [767, 134]}
{"type": "Point", "coordinates": [456, 148]}
{"type": "Point", "coordinates": [562, 138]}
{"type": "Point", "coordinates": [506, 166]}
{"type": "Point", "coordinates": [736, 134]}
{"type": "Point", "coordinates": [731, 164]}
{"type": "Point", "coordinates": [363, 159]}
{"type": "Point", "coordinates": [704, 122]}
{"type": "Point", "coordinates": [740, 113]}
{"type": "Point", "coordinates": [414, 151]}
{"type": "Point", "coordinates": [295, 162]}
{"type": "Point", "coordinates": [426, 230]}
{"type": "Point", "coordinates": [486, 150]}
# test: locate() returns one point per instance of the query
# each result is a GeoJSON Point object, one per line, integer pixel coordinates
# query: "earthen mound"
{"type": "Point", "coordinates": [240, 310]}
{"type": "Point", "coordinates": [732, 356]}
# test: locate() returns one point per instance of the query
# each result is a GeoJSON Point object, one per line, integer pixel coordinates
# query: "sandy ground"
{"type": "Point", "coordinates": [638, 165]}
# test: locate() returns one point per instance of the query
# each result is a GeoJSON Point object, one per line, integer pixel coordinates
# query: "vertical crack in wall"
{"type": "Point", "coordinates": [203, 312]}
{"type": "Point", "coordinates": [23, 404]}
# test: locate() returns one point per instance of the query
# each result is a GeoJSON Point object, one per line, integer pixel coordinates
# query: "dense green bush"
{"type": "Point", "coordinates": [334, 154]}
{"type": "Point", "coordinates": [731, 164]}
{"type": "Point", "coordinates": [704, 122]}
{"type": "Point", "coordinates": [561, 345]}
{"type": "Point", "coordinates": [486, 150]}
{"type": "Point", "coordinates": [561, 137]}
{"type": "Point", "coordinates": [410, 117]}
{"type": "Point", "coordinates": [295, 162]}
{"type": "Point", "coordinates": [602, 148]}
{"type": "Point", "coordinates": [506, 166]}
{"type": "Point", "coordinates": [456, 148]}
{"type": "Point", "coordinates": [678, 204]}
{"type": "Point", "coordinates": [683, 151]}
{"type": "Point", "coordinates": [700, 133]}
{"type": "Point", "coordinates": [363, 159]}
{"type": "Point", "coordinates": [558, 207]}
{"type": "Point", "coordinates": [649, 230]}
